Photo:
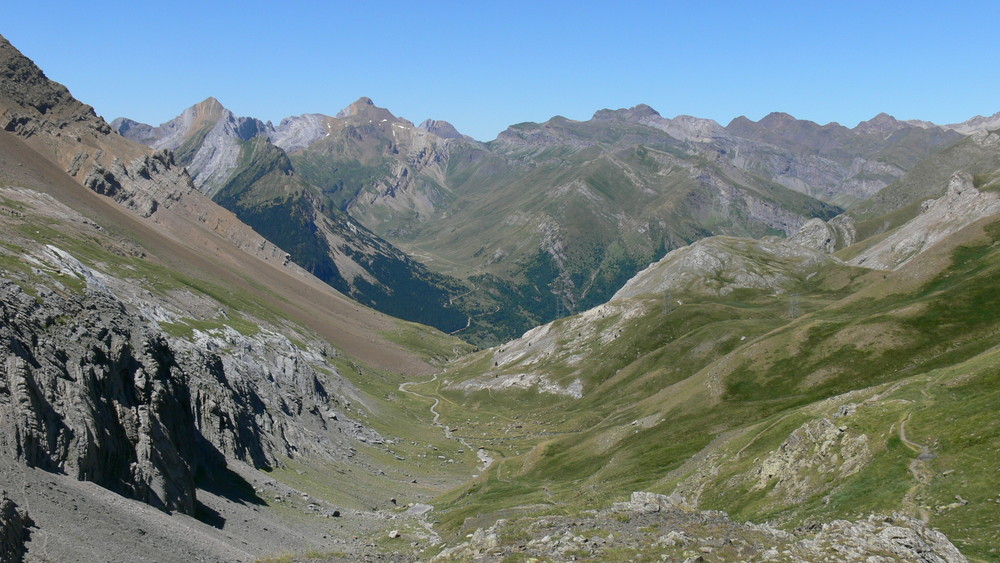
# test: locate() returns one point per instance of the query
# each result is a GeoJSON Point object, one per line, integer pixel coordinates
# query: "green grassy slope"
{"type": "Point", "coordinates": [733, 404]}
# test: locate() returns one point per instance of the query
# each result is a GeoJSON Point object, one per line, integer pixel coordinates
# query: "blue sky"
{"type": "Point", "coordinates": [486, 65]}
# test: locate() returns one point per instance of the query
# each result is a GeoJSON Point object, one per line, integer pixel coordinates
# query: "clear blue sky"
{"type": "Point", "coordinates": [485, 65]}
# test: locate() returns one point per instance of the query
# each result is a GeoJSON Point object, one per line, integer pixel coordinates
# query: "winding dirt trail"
{"type": "Point", "coordinates": [923, 450]}
{"type": "Point", "coordinates": [404, 388]}
{"type": "Point", "coordinates": [484, 457]}
{"type": "Point", "coordinates": [918, 468]}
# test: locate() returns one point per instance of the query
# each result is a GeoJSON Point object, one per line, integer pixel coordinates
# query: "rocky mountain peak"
{"type": "Point", "coordinates": [209, 110]}
{"type": "Point", "coordinates": [636, 114]}
{"type": "Point", "coordinates": [209, 106]}
{"type": "Point", "coordinates": [362, 105]}
{"type": "Point", "coordinates": [776, 118]}
{"type": "Point", "coordinates": [881, 124]}
{"type": "Point", "coordinates": [365, 110]}
{"type": "Point", "coordinates": [442, 129]}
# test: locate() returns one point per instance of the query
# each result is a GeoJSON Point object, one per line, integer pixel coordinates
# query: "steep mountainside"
{"type": "Point", "coordinates": [769, 381]}
{"type": "Point", "coordinates": [233, 160]}
{"type": "Point", "coordinates": [548, 218]}
{"type": "Point", "coordinates": [567, 211]}
{"type": "Point", "coordinates": [558, 215]}
{"type": "Point", "coordinates": [159, 350]}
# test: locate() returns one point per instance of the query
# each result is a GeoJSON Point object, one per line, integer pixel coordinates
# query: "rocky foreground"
{"type": "Point", "coordinates": [652, 527]}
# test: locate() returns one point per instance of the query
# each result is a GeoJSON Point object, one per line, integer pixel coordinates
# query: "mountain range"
{"type": "Point", "coordinates": [545, 220]}
{"type": "Point", "coordinates": [768, 341]}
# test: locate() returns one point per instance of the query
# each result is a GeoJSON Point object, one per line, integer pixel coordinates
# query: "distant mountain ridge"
{"type": "Point", "coordinates": [547, 217]}
{"type": "Point", "coordinates": [240, 162]}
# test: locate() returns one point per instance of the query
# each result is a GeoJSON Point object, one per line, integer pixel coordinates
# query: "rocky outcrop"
{"type": "Point", "coordinates": [143, 184]}
{"type": "Point", "coordinates": [534, 381]}
{"type": "Point", "coordinates": [817, 451]}
{"type": "Point", "coordinates": [26, 93]}
{"type": "Point", "coordinates": [961, 206]}
{"type": "Point", "coordinates": [899, 536]}
{"type": "Point", "coordinates": [652, 527]}
{"type": "Point", "coordinates": [14, 532]}
{"type": "Point", "coordinates": [827, 236]}
{"type": "Point", "coordinates": [94, 388]}
{"type": "Point", "coordinates": [90, 392]}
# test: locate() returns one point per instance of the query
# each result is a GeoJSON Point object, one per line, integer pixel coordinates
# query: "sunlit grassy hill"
{"type": "Point", "coordinates": [832, 396]}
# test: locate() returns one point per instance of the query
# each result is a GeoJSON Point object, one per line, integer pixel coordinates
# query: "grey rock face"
{"type": "Point", "coordinates": [92, 387]}
{"type": "Point", "coordinates": [143, 184]}
{"type": "Point", "coordinates": [827, 236]}
{"type": "Point", "coordinates": [90, 392]}
{"type": "Point", "coordinates": [258, 399]}
{"type": "Point", "coordinates": [299, 132]}
{"type": "Point", "coordinates": [218, 133]}
{"type": "Point", "coordinates": [819, 446]}
{"type": "Point", "coordinates": [905, 538]}
{"type": "Point", "coordinates": [961, 206]}
{"type": "Point", "coordinates": [978, 124]}
{"type": "Point", "coordinates": [14, 524]}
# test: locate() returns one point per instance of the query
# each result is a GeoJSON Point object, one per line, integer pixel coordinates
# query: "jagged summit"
{"type": "Point", "coordinates": [358, 107]}
{"type": "Point", "coordinates": [442, 129]}
{"type": "Point", "coordinates": [365, 108]}
{"type": "Point", "coordinates": [206, 137]}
